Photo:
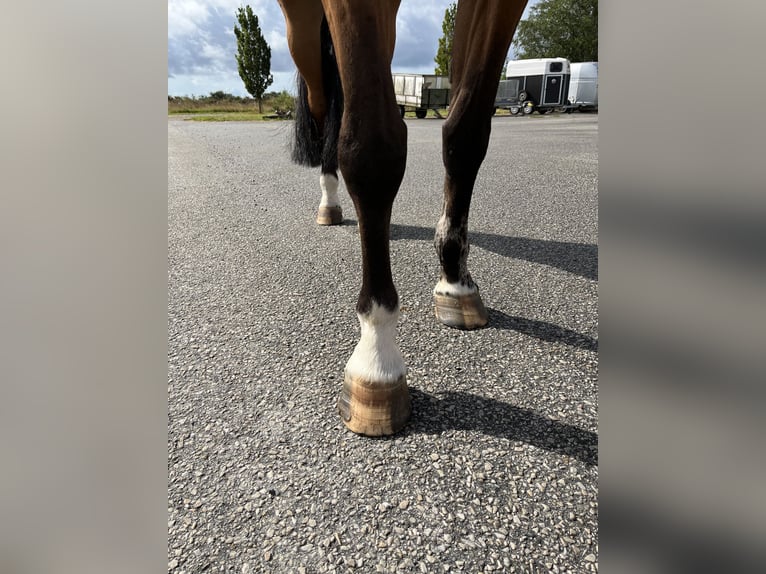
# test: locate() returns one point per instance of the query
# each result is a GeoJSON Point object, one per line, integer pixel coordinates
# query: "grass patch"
{"type": "Point", "coordinates": [231, 117]}
{"type": "Point", "coordinates": [220, 106]}
{"type": "Point", "coordinates": [196, 108]}
{"type": "Point", "coordinates": [410, 114]}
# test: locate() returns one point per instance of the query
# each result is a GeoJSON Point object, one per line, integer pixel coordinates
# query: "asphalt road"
{"type": "Point", "coordinates": [498, 468]}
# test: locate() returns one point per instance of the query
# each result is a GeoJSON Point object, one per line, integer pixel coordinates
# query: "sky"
{"type": "Point", "coordinates": [202, 47]}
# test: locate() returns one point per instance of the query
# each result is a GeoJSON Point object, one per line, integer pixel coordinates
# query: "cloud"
{"type": "Point", "coordinates": [185, 18]}
{"type": "Point", "coordinates": [418, 29]}
{"type": "Point", "coordinates": [202, 47]}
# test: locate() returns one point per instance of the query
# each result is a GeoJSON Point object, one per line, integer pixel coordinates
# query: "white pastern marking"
{"type": "Point", "coordinates": [376, 357]}
{"type": "Point", "coordinates": [444, 287]}
{"type": "Point", "coordinates": [329, 185]}
{"type": "Point", "coordinates": [442, 227]}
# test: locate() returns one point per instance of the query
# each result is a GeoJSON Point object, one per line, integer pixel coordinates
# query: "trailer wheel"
{"type": "Point", "coordinates": [420, 113]}
{"type": "Point", "coordinates": [522, 96]}
{"type": "Point", "coordinates": [514, 110]}
{"type": "Point", "coordinates": [528, 108]}
{"type": "Point", "coordinates": [401, 110]}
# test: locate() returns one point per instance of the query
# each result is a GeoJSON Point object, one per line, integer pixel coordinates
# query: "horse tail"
{"type": "Point", "coordinates": [306, 144]}
{"type": "Point", "coordinates": [310, 147]}
{"type": "Point", "coordinates": [334, 96]}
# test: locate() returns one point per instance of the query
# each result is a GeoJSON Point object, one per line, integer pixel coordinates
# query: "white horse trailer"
{"type": "Point", "coordinates": [583, 86]}
{"type": "Point", "coordinates": [421, 92]}
{"type": "Point", "coordinates": [537, 84]}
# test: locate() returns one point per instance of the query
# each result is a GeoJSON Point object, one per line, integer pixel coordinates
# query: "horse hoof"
{"type": "Point", "coordinates": [330, 215]}
{"type": "Point", "coordinates": [461, 312]}
{"type": "Point", "coordinates": [374, 409]}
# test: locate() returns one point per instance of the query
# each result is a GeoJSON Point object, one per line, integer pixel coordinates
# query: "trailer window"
{"type": "Point", "coordinates": [556, 67]}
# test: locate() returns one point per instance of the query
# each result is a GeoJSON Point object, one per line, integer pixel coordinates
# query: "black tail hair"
{"type": "Point", "coordinates": [310, 148]}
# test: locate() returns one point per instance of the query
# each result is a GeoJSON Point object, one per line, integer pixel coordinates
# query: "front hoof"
{"type": "Point", "coordinates": [462, 311]}
{"type": "Point", "coordinates": [374, 409]}
{"type": "Point", "coordinates": [330, 215]}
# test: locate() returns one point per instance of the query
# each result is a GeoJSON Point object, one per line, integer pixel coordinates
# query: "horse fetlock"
{"type": "Point", "coordinates": [375, 400]}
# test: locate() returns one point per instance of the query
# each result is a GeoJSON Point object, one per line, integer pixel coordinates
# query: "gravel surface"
{"type": "Point", "coordinates": [497, 470]}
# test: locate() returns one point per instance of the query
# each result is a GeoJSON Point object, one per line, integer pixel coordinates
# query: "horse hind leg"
{"type": "Point", "coordinates": [475, 75]}
{"type": "Point", "coordinates": [312, 148]}
{"type": "Point", "coordinates": [319, 102]}
{"type": "Point", "coordinates": [330, 211]}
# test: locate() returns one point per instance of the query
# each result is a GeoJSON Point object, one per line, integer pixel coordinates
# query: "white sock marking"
{"type": "Point", "coordinates": [444, 287]}
{"type": "Point", "coordinates": [329, 185]}
{"type": "Point", "coordinates": [376, 357]}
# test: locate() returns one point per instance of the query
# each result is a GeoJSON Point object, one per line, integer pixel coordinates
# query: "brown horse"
{"type": "Point", "coordinates": [347, 117]}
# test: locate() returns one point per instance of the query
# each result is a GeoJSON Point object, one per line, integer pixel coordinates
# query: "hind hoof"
{"type": "Point", "coordinates": [374, 409]}
{"type": "Point", "coordinates": [330, 215]}
{"type": "Point", "coordinates": [461, 312]}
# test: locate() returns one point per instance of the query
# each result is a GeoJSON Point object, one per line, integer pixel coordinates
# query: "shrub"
{"type": "Point", "coordinates": [282, 102]}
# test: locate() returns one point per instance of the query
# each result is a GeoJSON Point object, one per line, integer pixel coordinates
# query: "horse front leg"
{"type": "Point", "coordinates": [372, 153]}
{"type": "Point", "coordinates": [474, 77]}
{"type": "Point", "coordinates": [375, 399]}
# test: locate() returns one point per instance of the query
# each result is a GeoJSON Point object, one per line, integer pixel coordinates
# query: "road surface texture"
{"type": "Point", "coordinates": [497, 470]}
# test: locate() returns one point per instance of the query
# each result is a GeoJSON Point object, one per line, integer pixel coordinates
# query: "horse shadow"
{"type": "Point", "coordinates": [454, 410]}
{"type": "Point", "coordinates": [578, 258]}
{"type": "Point", "coordinates": [541, 330]}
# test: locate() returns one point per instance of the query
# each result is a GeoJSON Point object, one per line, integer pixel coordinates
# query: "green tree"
{"type": "Point", "coordinates": [559, 29]}
{"type": "Point", "coordinates": [443, 57]}
{"type": "Point", "coordinates": [220, 96]}
{"type": "Point", "coordinates": [253, 55]}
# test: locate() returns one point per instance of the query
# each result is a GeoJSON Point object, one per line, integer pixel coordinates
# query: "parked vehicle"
{"type": "Point", "coordinates": [538, 84]}
{"type": "Point", "coordinates": [583, 86]}
{"type": "Point", "coordinates": [421, 93]}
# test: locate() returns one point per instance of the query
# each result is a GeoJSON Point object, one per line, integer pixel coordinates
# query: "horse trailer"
{"type": "Point", "coordinates": [538, 84]}
{"type": "Point", "coordinates": [421, 93]}
{"type": "Point", "coordinates": [583, 86]}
